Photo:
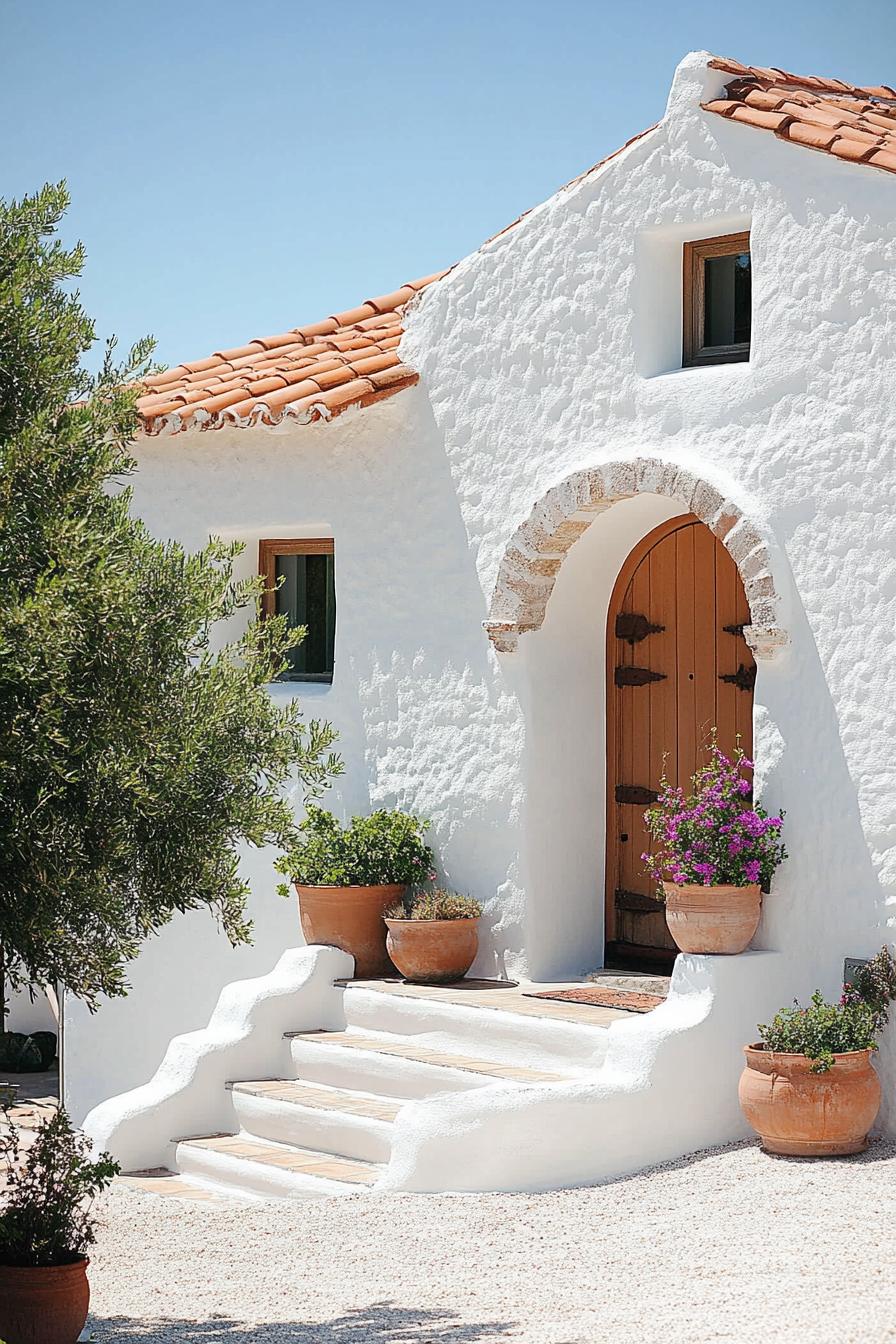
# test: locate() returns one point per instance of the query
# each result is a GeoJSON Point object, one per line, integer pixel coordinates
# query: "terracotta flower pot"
{"type": "Point", "coordinates": [712, 919]}
{"type": "Point", "coordinates": [350, 918]}
{"type": "Point", "coordinates": [805, 1114]}
{"type": "Point", "coordinates": [433, 951]}
{"type": "Point", "coordinates": [43, 1306]}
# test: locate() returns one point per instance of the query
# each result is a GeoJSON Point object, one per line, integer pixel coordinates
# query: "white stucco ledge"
{"type": "Point", "coordinates": [668, 1087]}
{"type": "Point", "coordinates": [244, 1038]}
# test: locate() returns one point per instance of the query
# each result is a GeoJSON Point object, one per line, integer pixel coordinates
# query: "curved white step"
{"type": "Point", "coordinates": [310, 1115]}
{"type": "Point", "coordinates": [522, 1039]}
{"type": "Point", "coordinates": [246, 1165]}
{"type": "Point", "coordinates": [397, 1066]}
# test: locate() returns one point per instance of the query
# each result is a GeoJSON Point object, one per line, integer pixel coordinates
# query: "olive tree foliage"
{"type": "Point", "coordinates": [134, 758]}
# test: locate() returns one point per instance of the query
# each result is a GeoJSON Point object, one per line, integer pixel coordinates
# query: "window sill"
{"type": "Point", "coordinates": [740, 368]}
{"type": "Point", "coordinates": [287, 688]}
{"type": "Point", "coordinates": [321, 678]}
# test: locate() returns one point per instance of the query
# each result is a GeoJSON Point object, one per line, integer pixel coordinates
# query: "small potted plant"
{"type": "Point", "coordinates": [809, 1088]}
{"type": "Point", "coordinates": [347, 876]}
{"type": "Point", "coordinates": [433, 935]}
{"type": "Point", "coordinates": [46, 1229]}
{"type": "Point", "coordinates": [714, 853]}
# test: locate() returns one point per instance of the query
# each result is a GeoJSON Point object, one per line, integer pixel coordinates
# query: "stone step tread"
{"type": "Point", "coordinates": [164, 1183]}
{"type": "Point", "coordinates": [321, 1098]}
{"type": "Point", "coordinates": [306, 1161]}
{"type": "Point", "coordinates": [420, 1054]}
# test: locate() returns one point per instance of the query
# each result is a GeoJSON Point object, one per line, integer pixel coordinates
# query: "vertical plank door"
{"type": "Point", "coordinates": [677, 666]}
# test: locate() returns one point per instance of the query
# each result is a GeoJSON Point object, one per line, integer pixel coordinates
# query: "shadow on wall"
{"type": "Point", "coordinates": [561, 668]}
{"type": "Point", "coordinates": [829, 901]}
{"type": "Point", "coordinates": [381, 1323]}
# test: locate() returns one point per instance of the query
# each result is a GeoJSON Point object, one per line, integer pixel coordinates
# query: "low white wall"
{"type": "Point", "coordinates": [244, 1039]}
{"type": "Point", "coordinates": [174, 986]}
{"type": "Point", "coordinates": [29, 1010]}
{"type": "Point", "coordinates": [668, 1087]}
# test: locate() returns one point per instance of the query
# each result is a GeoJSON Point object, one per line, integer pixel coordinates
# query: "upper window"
{"type": "Point", "coordinates": [300, 585]}
{"type": "Point", "coordinates": [717, 300]}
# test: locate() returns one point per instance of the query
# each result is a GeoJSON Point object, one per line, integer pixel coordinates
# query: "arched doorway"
{"type": "Point", "coordinates": [677, 665]}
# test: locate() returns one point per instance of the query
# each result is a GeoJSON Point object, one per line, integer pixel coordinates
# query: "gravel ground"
{"type": "Point", "coordinates": [727, 1245]}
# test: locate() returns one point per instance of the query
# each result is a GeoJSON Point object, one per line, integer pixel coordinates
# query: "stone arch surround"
{"type": "Point", "coordinates": [538, 547]}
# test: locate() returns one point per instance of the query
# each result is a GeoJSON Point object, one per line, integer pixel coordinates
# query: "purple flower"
{"type": "Point", "coordinates": [752, 870]}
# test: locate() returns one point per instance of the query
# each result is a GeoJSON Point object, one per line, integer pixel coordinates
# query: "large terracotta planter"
{"type": "Point", "coordinates": [43, 1306]}
{"type": "Point", "coordinates": [433, 951]}
{"type": "Point", "coordinates": [719, 920]}
{"type": "Point", "coordinates": [805, 1114]}
{"type": "Point", "coordinates": [350, 918]}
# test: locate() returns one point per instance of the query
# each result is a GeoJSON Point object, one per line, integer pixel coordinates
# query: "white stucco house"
{"type": "Point", "coordinates": [665, 393]}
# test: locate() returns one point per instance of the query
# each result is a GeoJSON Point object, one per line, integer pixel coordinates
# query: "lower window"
{"type": "Point", "coordinates": [300, 585]}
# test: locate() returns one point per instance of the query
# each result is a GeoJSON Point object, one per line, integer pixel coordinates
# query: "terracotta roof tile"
{"type": "Point", "coordinates": [852, 123]}
{"type": "Point", "coordinates": [310, 373]}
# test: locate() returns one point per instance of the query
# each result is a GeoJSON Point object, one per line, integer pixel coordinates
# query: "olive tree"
{"type": "Point", "coordinates": [135, 756]}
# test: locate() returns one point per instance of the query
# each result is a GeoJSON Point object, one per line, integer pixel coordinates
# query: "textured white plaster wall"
{"type": "Point", "coordinates": [545, 352]}
{"type": "Point", "coordinates": [552, 349]}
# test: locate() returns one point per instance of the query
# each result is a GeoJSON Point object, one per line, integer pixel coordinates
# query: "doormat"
{"type": "Point", "coordinates": [628, 999]}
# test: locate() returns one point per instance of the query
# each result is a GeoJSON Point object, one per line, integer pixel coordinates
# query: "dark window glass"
{"type": "Point", "coordinates": [726, 318]}
{"type": "Point", "coordinates": [307, 596]}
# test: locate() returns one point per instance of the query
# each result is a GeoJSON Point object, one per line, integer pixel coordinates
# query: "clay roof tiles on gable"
{"type": "Point", "coordinates": [852, 123]}
{"type": "Point", "coordinates": [311, 373]}
{"type": "Point", "coordinates": [351, 359]}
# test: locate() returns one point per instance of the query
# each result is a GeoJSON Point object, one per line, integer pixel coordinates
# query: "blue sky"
{"type": "Point", "coordinates": [239, 168]}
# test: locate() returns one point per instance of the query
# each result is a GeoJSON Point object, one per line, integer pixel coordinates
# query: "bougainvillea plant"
{"type": "Point", "coordinates": [715, 835]}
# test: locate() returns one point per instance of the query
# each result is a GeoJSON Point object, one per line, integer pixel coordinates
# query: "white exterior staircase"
{"type": "Point", "coordinates": [324, 1127]}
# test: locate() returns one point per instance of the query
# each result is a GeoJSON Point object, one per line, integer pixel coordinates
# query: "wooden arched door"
{"type": "Point", "coordinates": [677, 665]}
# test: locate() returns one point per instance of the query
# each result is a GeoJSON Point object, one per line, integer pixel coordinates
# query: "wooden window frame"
{"type": "Point", "coordinates": [268, 550]}
{"type": "Point", "coordinates": [695, 254]}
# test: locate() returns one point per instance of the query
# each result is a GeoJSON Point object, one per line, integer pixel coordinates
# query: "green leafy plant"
{"type": "Point", "coordinates": [435, 904]}
{"type": "Point", "coordinates": [824, 1030]}
{"type": "Point", "coordinates": [46, 1207]}
{"type": "Point", "coordinates": [21, 1053]}
{"type": "Point", "coordinates": [820, 1031]}
{"type": "Point", "coordinates": [383, 848]}
{"type": "Point", "coordinates": [134, 759]}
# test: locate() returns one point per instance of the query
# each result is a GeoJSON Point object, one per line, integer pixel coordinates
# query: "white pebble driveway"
{"type": "Point", "coordinates": [728, 1245]}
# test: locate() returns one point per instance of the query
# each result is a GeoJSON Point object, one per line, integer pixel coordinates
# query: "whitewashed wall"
{"type": "Point", "coordinates": [554, 348]}
{"type": "Point", "coordinates": [29, 1010]}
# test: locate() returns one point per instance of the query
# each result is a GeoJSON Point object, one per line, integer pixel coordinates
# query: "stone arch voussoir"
{"type": "Point", "coordinates": [537, 549]}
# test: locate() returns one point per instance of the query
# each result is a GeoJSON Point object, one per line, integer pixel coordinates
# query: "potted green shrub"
{"type": "Point", "coordinates": [714, 853]}
{"type": "Point", "coordinates": [347, 876]}
{"type": "Point", "coordinates": [46, 1229]}
{"type": "Point", "coordinates": [808, 1087]}
{"type": "Point", "coordinates": [433, 935]}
